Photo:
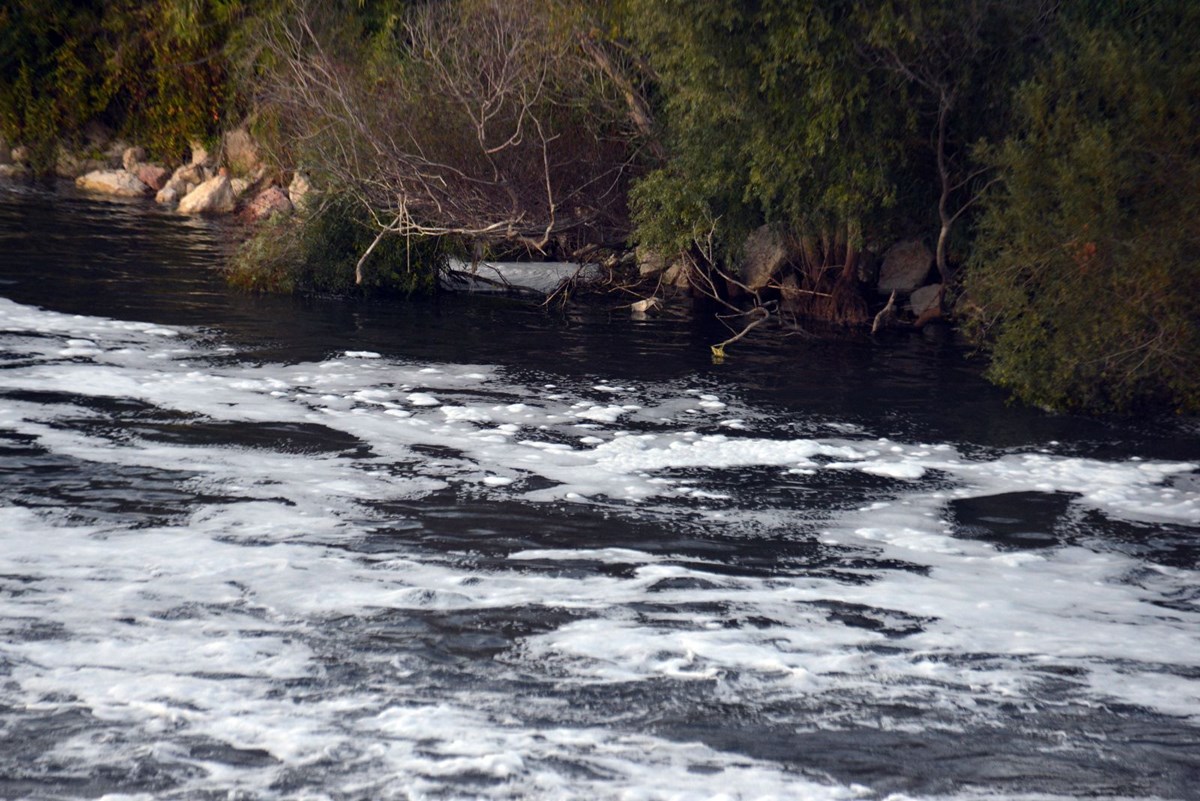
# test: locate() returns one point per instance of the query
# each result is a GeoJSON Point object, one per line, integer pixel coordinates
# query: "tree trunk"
{"type": "Point", "coordinates": [943, 237]}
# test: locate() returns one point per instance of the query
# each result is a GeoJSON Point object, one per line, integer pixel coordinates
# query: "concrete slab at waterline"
{"type": "Point", "coordinates": [513, 276]}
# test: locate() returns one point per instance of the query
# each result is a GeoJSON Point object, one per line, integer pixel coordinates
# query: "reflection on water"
{"type": "Point", "coordinates": [261, 547]}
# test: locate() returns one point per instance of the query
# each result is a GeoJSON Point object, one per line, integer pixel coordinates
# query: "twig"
{"type": "Point", "coordinates": [718, 350]}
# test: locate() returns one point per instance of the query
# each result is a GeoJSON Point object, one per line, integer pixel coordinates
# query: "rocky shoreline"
{"type": "Point", "coordinates": [234, 179]}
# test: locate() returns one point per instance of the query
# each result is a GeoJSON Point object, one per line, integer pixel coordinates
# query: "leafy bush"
{"type": "Point", "coordinates": [154, 72]}
{"type": "Point", "coordinates": [319, 252]}
{"type": "Point", "coordinates": [1086, 272]}
{"type": "Point", "coordinates": [768, 118]}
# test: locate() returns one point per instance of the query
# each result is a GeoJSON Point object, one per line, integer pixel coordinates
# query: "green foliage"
{"type": "Point", "coordinates": [153, 71]}
{"type": "Point", "coordinates": [769, 117]}
{"type": "Point", "coordinates": [1087, 267]}
{"type": "Point", "coordinates": [318, 253]}
{"type": "Point", "coordinates": [165, 78]}
{"type": "Point", "coordinates": [855, 117]}
{"type": "Point", "coordinates": [45, 86]}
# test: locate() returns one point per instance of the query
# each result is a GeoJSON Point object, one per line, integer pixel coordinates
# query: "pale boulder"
{"type": "Point", "coordinates": [172, 190]}
{"type": "Point", "coordinates": [678, 275]}
{"type": "Point", "coordinates": [131, 158]}
{"type": "Point", "coordinates": [213, 196]}
{"type": "Point", "coordinates": [200, 155]}
{"type": "Point", "coordinates": [192, 174]}
{"type": "Point", "coordinates": [298, 189]}
{"type": "Point", "coordinates": [181, 183]}
{"type": "Point", "coordinates": [905, 267]}
{"type": "Point", "coordinates": [925, 299]}
{"type": "Point", "coordinates": [241, 151]}
{"type": "Point", "coordinates": [766, 250]}
{"type": "Point", "coordinates": [112, 182]}
{"type": "Point", "coordinates": [649, 262]}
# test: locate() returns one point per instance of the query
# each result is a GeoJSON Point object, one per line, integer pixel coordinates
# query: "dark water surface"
{"type": "Point", "coordinates": [264, 547]}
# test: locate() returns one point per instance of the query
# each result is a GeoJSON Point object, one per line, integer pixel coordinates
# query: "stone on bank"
{"type": "Point", "coordinates": [213, 196]}
{"type": "Point", "coordinates": [272, 200]}
{"type": "Point", "coordinates": [152, 175]}
{"type": "Point", "coordinates": [112, 182]}
{"type": "Point", "coordinates": [906, 265]}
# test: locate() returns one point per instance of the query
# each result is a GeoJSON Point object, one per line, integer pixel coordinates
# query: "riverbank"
{"type": "Point", "coordinates": [901, 287]}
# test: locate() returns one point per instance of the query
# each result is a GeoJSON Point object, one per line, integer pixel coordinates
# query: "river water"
{"type": "Point", "coordinates": [466, 548]}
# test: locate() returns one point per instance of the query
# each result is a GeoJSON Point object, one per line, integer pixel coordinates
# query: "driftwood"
{"type": "Point", "coordinates": [887, 317]}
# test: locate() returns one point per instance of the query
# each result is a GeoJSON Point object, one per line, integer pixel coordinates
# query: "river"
{"type": "Point", "coordinates": [269, 547]}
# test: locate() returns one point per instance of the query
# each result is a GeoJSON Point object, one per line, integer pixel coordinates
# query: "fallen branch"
{"type": "Point", "coordinates": [718, 350]}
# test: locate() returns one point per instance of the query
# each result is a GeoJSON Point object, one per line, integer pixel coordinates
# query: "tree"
{"type": "Point", "coordinates": [771, 117]}
{"type": "Point", "coordinates": [1087, 268]}
{"type": "Point", "coordinates": [956, 63]}
{"type": "Point", "coordinates": [153, 71]}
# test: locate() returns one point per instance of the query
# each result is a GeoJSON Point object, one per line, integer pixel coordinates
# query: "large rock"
{"type": "Point", "coordinates": [192, 174]}
{"type": "Point", "coordinates": [131, 158]}
{"type": "Point", "coordinates": [172, 190]}
{"type": "Point", "coordinates": [214, 196]}
{"type": "Point", "coordinates": [152, 175]}
{"type": "Point", "coordinates": [181, 183]}
{"type": "Point", "coordinates": [20, 154]}
{"type": "Point", "coordinates": [905, 267]}
{"type": "Point", "coordinates": [678, 275]}
{"type": "Point", "coordinates": [764, 253]}
{"type": "Point", "coordinates": [925, 299]}
{"type": "Point", "coordinates": [14, 171]}
{"type": "Point", "coordinates": [298, 189]}
{"type": "Point", "coordinates": [649, 262]}
{"type": "Point", "coordinates": [271, 200]}
{"type": "Point", "coordinates": [200, 155]}
{"type": "Point", "coordinates": [112, 182]}
{"type": "Point", "coordinates": [241, 152]}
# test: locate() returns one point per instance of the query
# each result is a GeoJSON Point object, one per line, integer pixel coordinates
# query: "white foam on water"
{"type": "Point", "coordinates": [197, 627]}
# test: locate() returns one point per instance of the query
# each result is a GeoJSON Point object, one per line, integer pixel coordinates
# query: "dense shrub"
{"type": "Point", "coordinates": [849, 124]}
{"type": "Point", "coordinates": [1087, 268]}
{"type": "Point", "coordinates": [318, 252]}
{"type": "Point", "coordinates": [154, 72]}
